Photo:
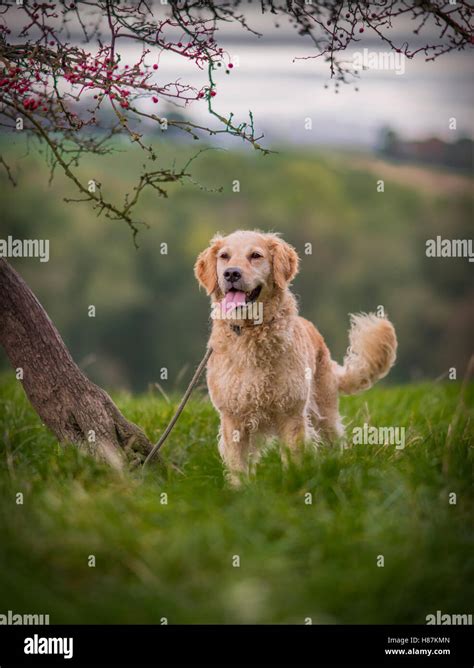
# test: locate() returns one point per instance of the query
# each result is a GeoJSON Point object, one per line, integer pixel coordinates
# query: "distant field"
{"type": "Point", "coordinates": [419, 177]}
{"type": "Point", "coordinates": [297, 560]}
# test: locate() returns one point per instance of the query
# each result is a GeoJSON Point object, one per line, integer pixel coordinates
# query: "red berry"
{"type": "Point", "coordinates": [361, 29]}
{"type": "Point", "coordinates": [230, 66]}
{"type": "Point", "coordinates": [155, 66]}
{"type": "Point", "coordinates": [213, 93]}
{"type": "Point", "coordinates": [155, 99]}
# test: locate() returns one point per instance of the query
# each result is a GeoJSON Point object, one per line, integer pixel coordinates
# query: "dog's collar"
{"type": "Point", "coordinates": [237, 329]}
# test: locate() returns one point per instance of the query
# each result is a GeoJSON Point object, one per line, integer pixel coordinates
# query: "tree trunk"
{"type": "Point", "coordinates": [73, 407]}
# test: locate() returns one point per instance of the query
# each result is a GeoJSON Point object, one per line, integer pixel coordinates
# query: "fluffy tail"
{"type": "Point", "coordinates": [371, 353]}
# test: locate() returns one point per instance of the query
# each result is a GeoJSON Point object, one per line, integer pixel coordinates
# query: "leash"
{"type": "Point", "coordinates": [179, 410]}
{"type": "Point", "coordinates": [237, 329]}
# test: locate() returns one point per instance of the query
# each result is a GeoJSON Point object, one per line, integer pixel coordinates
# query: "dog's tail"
{"type": "Point", "coordinates": [371, 353]}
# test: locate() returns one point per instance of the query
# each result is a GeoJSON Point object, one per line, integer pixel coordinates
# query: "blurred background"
{"type": "Point", "coordinates": [332, 147]}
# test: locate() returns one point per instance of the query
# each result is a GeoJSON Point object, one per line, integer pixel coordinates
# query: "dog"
{"type": "Point", "coordinates": [273, 376]}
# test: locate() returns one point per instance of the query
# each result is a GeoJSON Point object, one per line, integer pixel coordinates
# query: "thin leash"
{"type": "Point", "coordinates": [179, 410]}
{"type": "Point", "coordinates": [237, 329]}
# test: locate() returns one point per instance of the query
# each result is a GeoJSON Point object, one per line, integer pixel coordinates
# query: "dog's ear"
{"type": "Point", "coordinates": [285, 261]}
{"type": "Point", "coordinates": [205, 268]}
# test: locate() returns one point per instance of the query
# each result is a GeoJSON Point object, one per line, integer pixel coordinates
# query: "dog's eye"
{"type": "Point", "coordinates": [255, 256]}
{"type": "Point", "coordinates": [224, 256]}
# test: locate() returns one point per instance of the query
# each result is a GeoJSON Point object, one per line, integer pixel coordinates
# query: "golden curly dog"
{"type": "Point", "coordinates": [271, 373]}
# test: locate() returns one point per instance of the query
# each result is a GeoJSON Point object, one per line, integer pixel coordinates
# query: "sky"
{"type": "Point", "coordinates": [288, 98]}
{"type": "Point", "coordinates": [283, 92]}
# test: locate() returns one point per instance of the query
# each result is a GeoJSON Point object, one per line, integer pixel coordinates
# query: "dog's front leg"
{"type": "Point", "coordinates": [292, 432]}
{"type": "Point", "coordinates": [234, 447]}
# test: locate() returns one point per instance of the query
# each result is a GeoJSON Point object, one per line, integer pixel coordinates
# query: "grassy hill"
{"type": "Point", "coordinates": [175, 560]}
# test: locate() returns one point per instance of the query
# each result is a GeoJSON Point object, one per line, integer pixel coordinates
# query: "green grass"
{"type": "Point", "coordinates": [174, 560]}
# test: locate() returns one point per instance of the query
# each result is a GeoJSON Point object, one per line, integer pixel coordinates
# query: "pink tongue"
{"type": "Point", "coordinates": [233, 299]}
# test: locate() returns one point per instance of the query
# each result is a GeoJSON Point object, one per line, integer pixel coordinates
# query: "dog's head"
{"type": "Point", "coordinates": [245, 267]}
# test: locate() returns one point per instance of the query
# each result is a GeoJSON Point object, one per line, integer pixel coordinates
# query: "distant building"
{"type": "Point", "coordinates": [433, 151]}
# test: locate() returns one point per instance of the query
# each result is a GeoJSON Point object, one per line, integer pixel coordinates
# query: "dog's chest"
{"type": "Point", "coordinates": [256, 378]}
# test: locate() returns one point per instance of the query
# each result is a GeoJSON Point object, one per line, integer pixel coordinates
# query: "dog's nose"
{"type": "Point", "coordinates": [232, 274]}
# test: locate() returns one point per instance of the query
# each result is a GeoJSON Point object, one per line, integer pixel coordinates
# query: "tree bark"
{"type": "Point", "coordinates": [75, 409]}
